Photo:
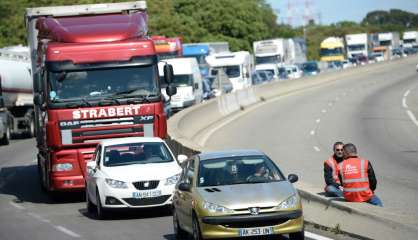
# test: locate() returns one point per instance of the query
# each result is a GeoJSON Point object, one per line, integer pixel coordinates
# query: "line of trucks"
{"type": "Point", "coordinates": [363, 47]}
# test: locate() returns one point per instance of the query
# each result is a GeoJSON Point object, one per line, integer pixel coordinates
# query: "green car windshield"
{"type": "Point", "coordinates": [238, 170]}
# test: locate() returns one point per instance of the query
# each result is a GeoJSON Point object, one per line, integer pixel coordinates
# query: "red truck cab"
{"type": "Point", "coordinates": [96, 78]}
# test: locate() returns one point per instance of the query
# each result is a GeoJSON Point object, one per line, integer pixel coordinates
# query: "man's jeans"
{"type": "Point", "coordinates": [332, 191]}
{"type": "Point", "coordinates": [375, 200]}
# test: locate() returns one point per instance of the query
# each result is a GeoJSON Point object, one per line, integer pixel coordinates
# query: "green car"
{"type": "Point", "coordinates": [236, 193]}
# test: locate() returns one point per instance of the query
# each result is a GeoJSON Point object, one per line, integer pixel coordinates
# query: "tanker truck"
{"type": "Point", "coordinates": [95, 76]}
{"type": "Point", "coordinates": [16, 98]}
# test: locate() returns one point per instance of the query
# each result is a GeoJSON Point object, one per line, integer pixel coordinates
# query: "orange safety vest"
{"type": "Point", "coordinates": [355, 179]}
{"type": "Point", "coordinates": [332, 163]}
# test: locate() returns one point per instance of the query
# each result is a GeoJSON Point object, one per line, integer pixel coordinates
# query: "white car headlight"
{"type": "Point", "coordinates": [291, 202]}
{"type": "Point", "coordinates": [172, 180]}
{"type": "Point", "coordinates": [62, 167]}
{"type": "Point", "coordinates": [214, 208]}
{"type": "Point", "coordinates": [116, 184]}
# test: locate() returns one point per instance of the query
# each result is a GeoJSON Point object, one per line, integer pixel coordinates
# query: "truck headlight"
{"type": "Point", "coordinates": [62, 167]}
{"type": "Point", "coordinates": [291, 202]}
{"type": "Point", "coordinates": [172, 180]}
{"type": "Point", "coordinates": [115, 183]}
{"type": "Point", "coordinates": [215, 208]}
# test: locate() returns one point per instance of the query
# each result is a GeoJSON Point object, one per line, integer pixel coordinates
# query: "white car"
{"type": "Point", "coordinates": [133, 172]}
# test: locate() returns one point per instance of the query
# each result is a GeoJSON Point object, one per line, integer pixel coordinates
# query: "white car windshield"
{"type": "Point", "coordinates": [136, 153]}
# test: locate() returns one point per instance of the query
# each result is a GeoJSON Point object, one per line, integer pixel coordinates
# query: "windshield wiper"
{"type": "Point", "coordinates": [112, 99]}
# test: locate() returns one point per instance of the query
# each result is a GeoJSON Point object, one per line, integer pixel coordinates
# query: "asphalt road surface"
{"type": "Point", "coordinates": [28, 213]}
{"type": "Point", "coordinates": [376, 111]}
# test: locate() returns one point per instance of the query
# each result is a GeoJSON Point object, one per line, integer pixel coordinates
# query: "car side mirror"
{"type": "Point", "coordinates": [185, 187]}
{"type": "Point", "coordinates": [91, 166]}
{"type": "Point", "coordinates": [181, 158]}
{"type": "Point", "coordinates": [168, 73]}
{"type": "Point", "coordinates": [38, 99]}
{"type": "Point", "coordinates": [292, 178]}
{"type": "Point", "coordinates": [171, 90]}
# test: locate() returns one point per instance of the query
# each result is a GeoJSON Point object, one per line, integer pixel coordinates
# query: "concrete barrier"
{"type": "Point", "coordinates": [189, 129]}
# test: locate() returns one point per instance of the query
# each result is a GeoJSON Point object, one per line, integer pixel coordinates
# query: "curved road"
{"type": "Point", "coordinates": [376, 111]}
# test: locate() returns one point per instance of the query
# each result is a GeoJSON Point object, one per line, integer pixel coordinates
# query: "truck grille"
{"type": "Point", "coordinates": [80, 131]}
{"type": "Point", "coordinates": [147, 201]}
{"type": "Point", "coordinates": [146, 185]}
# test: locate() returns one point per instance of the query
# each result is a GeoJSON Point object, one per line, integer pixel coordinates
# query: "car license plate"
{"type": "Point", "coordinates": [147, 194]}
{"type": "Point", "coordinates": [243, 232]}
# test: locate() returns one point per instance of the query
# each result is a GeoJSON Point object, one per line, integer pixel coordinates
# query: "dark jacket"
{"type": "Point", "coordinates": [329, 180]}
{"type": "Point", "coordinates": [372, 177]}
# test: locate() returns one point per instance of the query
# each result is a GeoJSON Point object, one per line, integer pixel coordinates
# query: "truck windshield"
{"type": "Point", "coordinates": [231, 71]}
{"type": "Point", "coordinates": [331, 52]}
{"type": "Point", "coordinates": [409, 40]}
{"type": "Point", "coordinates": [385, 43]}
{"type": "Point", "coordinates": [87, 84]}
{"type": "Point", "coordinates": [180, 80]}
{"type": "Point", "coordinates": [356, 47]}
{"type": "Point", "coordinates": [267, 59]}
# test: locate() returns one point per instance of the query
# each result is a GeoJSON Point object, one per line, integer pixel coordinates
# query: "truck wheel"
{"type": "Point", "coordinates": [30, 133]}
{"type": "Point", "coordinates": [6, 137]}
{"type": "Point", "coordinates": [297, 235]}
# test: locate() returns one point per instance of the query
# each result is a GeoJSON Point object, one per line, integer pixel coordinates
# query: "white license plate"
{"type": "Point", "coordinates": [243, 232]}
{"type": "Point", "coordinates": [147, 194]}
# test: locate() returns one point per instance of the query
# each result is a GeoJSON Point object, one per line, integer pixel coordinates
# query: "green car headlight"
{"type": "Point", "coordinates": [291, 202]}
{"type": "Point", "coordinates": [215, 208]}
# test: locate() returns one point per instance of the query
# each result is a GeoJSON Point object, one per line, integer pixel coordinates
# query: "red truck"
{"type": "Point", "coordinates": [95, 76]}
{"type": "Point", "coordinates": [167, 47]}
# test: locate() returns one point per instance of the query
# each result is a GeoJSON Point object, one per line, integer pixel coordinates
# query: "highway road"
{"type": "Point", "coordinates": [376, 111]}
{"type": "Point", "coordinates": [28, 213]}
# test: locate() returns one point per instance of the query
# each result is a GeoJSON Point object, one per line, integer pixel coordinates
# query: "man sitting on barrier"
{"type": "Point", "coordinates": [333, 186]}
{"type": "Point", "coordinates": [357, 177]}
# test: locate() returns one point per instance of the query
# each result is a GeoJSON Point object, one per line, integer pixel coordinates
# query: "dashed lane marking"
{"type": "Point", "coordinates": [404, 103]}
{"type": "Point", "coordinates": [317, 148]}
{"type": "Point", "coordinates": [18, 206]}
{"type": "Point", "coordinates": [313, 132]}
{"type": "Point", "coordinates": [412, 117]}
{"type": "Point", "coordinates": [407, 93]}
{"type": "Point", "coordinates": [38, 217]}
{"type": "Point", "coordinates": [316, 236]}
{"type": "Point", "coordinates": [67, 231]}
{"type": "Point", "coordinates": [324, 111]}
{"type": "Point", "coordinates": [318, 120]}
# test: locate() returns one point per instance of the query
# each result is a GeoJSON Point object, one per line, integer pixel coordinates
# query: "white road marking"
{"type": "Point", "coordinates": [18, 206]}
{"type": "Point", "coordinates": [68, 232]}
{"type": "Point", "coordinates": [324, 111]}
{"type": "Point", "coordinates": [330, 104]}
{"type": "Point", "coordinates": [412, 117]}
{"type": "Point", "coordinates": [318, 120]}
{"type": "Point", "coordinates": [317, 148]}
{"type": "Point", "coordinates": [407, 93]}
{"type": "Point", "coordinates": [313, 132]}
{"type": "Point", "coordinates": [404, 103]}
{"type": "Point", "coordinates": [38, 217]}
{"type": "Point", "coordinates": [337, 99]}
{"type": "Point", "coordinates": [316, 236]}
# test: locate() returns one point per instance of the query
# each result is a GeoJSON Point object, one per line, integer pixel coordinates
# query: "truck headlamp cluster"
{"type": "Point", "coordinates": [62, 167]}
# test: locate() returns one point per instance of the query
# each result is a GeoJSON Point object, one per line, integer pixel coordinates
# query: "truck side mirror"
{"type": "Point", "coordinates": [171, 90]}
{"type": "Point", "coordinates": [38, 99]}
{"type": "Point", "coordinates": [1, 101]}
{"type": "Point", "coordinates": [196, 86]}
{"type": "Point", "coordinates": [168, 73]}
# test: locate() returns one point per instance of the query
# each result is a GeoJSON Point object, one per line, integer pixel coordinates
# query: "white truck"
{"type": "Point", "coordinates": [16, 93]}
{"type": "Point", "coordinates": [187, 79]}
{"type": "Point", "coordinates": [271, 51]}
{"type": "Point", "coordinates": [389, 39]}
{"type": "Point", "coordinates": [238, 66]}
{"type": "Point", "coordinates": [296, 49]}
{"type": "Point", "coordinates": [410, 39]}
{"type": "Point", "coordinates": [358, 45]}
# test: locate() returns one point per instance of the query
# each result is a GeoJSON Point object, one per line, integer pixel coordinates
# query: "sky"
{"type": "Point", "coordinates": [332, 11]}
